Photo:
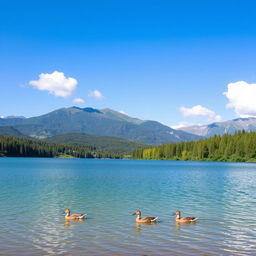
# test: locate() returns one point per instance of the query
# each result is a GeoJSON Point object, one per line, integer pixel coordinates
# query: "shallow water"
{"type": "Point", "coordinates": [34, 193]}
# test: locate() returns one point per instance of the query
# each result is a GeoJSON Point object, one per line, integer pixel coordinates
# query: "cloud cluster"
{"type": "Point", "coordinates": [242, 98]}
{"type": "Point", "coordinates": [78, 100]}
{"type": "Point", "coordinates": [183, 124]}
{"type": "Point", "coordinates": [199, 110]}
{"type": "Point", "coordinates": [55, 83]}
{"type": "Point", "coordinates": [96, 94]}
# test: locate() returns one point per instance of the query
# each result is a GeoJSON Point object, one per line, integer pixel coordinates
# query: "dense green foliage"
{"type": "Point", "coordinates": [240, 147]}
{"type": "Point", "coordinates": [23, 147]}
{"type": "Point", "coordinates": [104, 143]}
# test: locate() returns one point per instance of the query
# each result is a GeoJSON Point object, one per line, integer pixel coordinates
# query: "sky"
{"type": "Point", "coordinates": [177, 62]}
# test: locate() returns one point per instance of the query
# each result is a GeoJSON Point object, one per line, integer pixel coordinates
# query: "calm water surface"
{"type": "Point", "coordinates": [34, 193]}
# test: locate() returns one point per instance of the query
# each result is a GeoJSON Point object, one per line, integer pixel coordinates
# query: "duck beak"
{"type": "Point", "coordinates": [174, 213]}
{"type": "Point", "coordinates": [134, 213]}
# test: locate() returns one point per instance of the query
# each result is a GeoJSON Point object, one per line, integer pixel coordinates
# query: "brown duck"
{"type": "Point", "coordinates": [144, 219]}
{"type": "Point", "coordinates": [75, 216]}
{"type": "Point", "coordinates": [180, 219]}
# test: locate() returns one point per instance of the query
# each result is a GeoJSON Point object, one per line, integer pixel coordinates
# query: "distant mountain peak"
{"type": "Point", "coordinates": [109, 110]}
{"type": "Point", "coordinates": [243, 119]}
{"type": "Point", "coordinates": [247, 124]}
{"type": "Point", "coordinates": [213, 125]}
{"type": "Point", "coordinates": [88, 110]}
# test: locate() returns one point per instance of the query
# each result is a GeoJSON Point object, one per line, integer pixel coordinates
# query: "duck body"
{"type": "Point", "coordinates": [180, 219]}
{"type": "Point", "coordinates": [75, 216]}
{"type": "Point", "coordinates": [144, 219]}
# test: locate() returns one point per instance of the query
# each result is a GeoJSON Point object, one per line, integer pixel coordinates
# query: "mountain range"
{"type": "Point", "coordinates": [108, 122]}
{"type": "Point", "coordinates": [103, 122]}
{"type": "Point", "coordinates": [220, 128]}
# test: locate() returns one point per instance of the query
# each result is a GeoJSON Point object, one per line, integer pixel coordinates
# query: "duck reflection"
{"type": "Point", "coordinates": [139, 226]}
{"type": "Point", "coordinates": [179, 226]}
{"type": "Point", "coordinates": [68, 223]}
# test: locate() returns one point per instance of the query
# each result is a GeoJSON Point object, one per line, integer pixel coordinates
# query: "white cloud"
{"type": "Point", "coordinates": [183, 124]}
{"type": "Point", "coordinates": [242, 98]}
{"type": "Point", "coordinates": [55, 83]}
{"type": "Point", "coordinates": [199, 110]}
{"type": "Point", "coordinates": [96, 94]}
{"type": "Point", "coordinates": [78, 100]}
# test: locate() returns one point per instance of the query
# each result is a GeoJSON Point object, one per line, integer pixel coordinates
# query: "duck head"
{"type": "Point", "coordinates": [137, 213]}
{"type": "Point", "coordinates": [176, 213]}
{"type": "Point", "coordinates": [67, 211]}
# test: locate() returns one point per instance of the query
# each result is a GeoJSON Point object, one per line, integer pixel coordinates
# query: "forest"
{"type": "Point", "coordinates": [240, 147]}
{"type": "Point", "coordinates": [11, 146]}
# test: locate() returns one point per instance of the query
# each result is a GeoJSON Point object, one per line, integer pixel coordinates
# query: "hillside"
{"type": "Point", "coordinates": [11, 146]}
{"type": "Point", "coordinates": [10, 131]}
{"type": "Point", "coordinates": [104, 122]}
{"type": "Point", "coordinates": [102, 143]}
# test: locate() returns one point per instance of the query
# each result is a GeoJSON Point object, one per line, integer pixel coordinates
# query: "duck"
{"type": "Point", "coordinates": [144, 219]}
{"type": "Point", "coordinates": [75, 216]}
{"type": "Point", "coordinates": [180, 219]}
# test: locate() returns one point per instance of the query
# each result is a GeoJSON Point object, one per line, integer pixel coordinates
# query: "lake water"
{"type": "Point", "coordinates": [34, 193]}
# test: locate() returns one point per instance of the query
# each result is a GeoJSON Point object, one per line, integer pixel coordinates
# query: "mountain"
{"type": "Point", "coordinates": [10, 131]}
{"type": "Point", "coordinates": [103, 143]}
{"type": "Point", "coordinates": [220, 128]}
{"type": "Point", "coordinates": [104, 122]}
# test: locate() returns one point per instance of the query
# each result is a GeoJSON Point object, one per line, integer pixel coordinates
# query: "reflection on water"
{"type": "Point", "coordinates": [142, 226]}
{"type": "Point", "coordinates": [179, 226]}
{"type": "Point", "coordinates": [67, 223]}
{"type": "Point", "coordinates": [34, 193]}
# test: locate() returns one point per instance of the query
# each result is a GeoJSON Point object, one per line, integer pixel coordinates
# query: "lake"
{"type": "Point", "coordinates": [34, 192]}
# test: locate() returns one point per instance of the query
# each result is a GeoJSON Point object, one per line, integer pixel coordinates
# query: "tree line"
{"type": "Point", "coordinates": [11, 146]}
{"type": "Point", "coordinates": [240, 147]}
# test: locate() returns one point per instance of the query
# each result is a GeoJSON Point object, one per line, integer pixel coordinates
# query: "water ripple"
{"type": "Point", "coordinates": [34, 193]}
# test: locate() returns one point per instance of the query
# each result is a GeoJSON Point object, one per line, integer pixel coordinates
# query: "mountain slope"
{"type": "Point", "coordinates": [103, 143]}
{"type": "Point", "coordinates": [10, 131]}
{"type": "Point", "coordinates": [104, 122]}
{"type": "Point", "coordinates": [220, 128]}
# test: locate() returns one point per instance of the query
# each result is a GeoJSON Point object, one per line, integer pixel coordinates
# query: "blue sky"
{"type": "Point", "coordinates": [177, 62]}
